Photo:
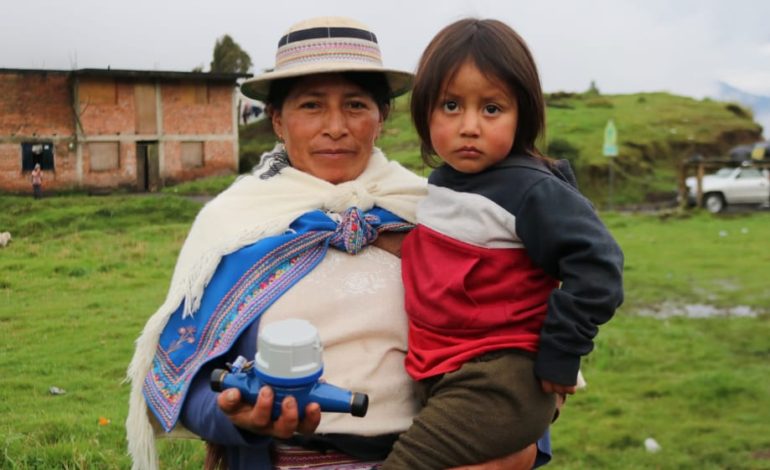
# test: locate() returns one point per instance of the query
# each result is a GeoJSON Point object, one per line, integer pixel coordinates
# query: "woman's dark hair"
{"type": "Point", "coordinates": [373, 83]}
{"type": "Point", "coordinates": [500, 54]}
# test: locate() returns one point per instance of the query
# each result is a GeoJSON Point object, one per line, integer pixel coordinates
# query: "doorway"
{"type": "Point", "coordinates": [147, 166]}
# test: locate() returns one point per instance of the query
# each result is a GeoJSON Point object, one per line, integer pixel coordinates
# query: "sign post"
{"type": "Point", "coordinates": [610, 149]}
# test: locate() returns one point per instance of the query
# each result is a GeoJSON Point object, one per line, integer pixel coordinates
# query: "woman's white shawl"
{"type": "Point", "coordinates": [250, 209]}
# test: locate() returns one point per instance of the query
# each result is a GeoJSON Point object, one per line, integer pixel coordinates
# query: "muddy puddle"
{"type": "Point", "coordinates": [668, 310]}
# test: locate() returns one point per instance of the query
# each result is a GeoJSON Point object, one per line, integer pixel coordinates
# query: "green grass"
{"type": "Point", "coordinates": [76, 285]}
{"type": "Point", "coordinates": [83, 274]}
{"type": "Point", "coordinates": [693, 385]}
{"type": "Point", "coordinates": [695, 258]}
{"type": "Point", "coordinates": [698, 387]}
{"type": "Point", "coordinates": [204, 186]}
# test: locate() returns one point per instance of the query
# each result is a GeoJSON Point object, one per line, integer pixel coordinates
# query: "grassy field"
{"type": "Point", "coordinates": [83, 274]}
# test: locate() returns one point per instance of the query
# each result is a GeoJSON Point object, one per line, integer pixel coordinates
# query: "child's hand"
{"type": "Point", "coordinates": [550, 387]}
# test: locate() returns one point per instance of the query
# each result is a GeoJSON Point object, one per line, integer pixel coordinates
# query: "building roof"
{"type": "Point", "coordinates": [121, 73]}
{"type": "Point", "coordinates": [34, 71]}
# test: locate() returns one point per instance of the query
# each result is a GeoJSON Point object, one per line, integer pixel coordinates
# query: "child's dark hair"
{"type": "Point", "coordinates": [500, 54]}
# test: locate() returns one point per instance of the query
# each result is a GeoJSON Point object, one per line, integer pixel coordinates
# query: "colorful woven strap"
{"type": "Point", "coordinates": [287, 457]}
{"type": "Point", "coordinates": [355, 230]}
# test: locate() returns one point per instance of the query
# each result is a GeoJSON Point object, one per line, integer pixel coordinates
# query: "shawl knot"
{"type": "Point", "coordinates": [351, 193]}
{"type": "Point", "coordinates": [354, 231]}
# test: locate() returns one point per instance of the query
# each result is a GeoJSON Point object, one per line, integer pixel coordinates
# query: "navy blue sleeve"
{"type": "Point", "coordinates": [564, 236]}
{"type": "Point", "coordinates": [201, 414]}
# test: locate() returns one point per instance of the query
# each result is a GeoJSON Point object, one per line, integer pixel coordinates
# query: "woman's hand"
{"type": "Point", "coordinates": [256, 418]}
{"type": "Point", "coordinates": [521, 460]}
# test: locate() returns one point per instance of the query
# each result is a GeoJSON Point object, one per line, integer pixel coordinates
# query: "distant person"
{"type": "Point", "coordinates": [250, 110]}
{"type": "Point", "coordinates": [256, 111]}
{"type": "Point", "coordinates": [247, 110]}
{"type": "Point", "coordinates": [509, 271]}
{"type": "Point", "coordinates": [37, 181]}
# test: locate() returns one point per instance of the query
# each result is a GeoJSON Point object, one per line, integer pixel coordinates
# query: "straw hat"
{"type": "Point", "coordinates": [326, 45]}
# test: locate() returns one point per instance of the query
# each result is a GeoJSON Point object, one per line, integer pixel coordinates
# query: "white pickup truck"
{"type": "Point", "coordinates": [740, 185]}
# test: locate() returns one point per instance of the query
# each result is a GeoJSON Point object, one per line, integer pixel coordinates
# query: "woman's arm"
{"type": "Point", "coordinates": [201, 415]}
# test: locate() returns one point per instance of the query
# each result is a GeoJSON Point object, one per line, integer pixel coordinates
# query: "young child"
{"type": "Point", "coordinates": [37, 181]}
{"type": "Point", "coordinates": [509, 271]}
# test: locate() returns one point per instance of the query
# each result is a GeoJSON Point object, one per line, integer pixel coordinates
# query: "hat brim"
{"type": "Point", "coordinates": [258, 87]}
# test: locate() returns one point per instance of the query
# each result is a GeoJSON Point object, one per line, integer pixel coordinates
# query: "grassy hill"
{"type": "Point", "coordinates": [655, 131]}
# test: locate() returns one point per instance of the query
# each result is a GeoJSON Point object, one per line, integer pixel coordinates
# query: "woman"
{"type": "Point", "coordinates": [311, 233]}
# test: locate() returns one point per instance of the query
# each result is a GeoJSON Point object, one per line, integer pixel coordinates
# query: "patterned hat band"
{"type": "Point", "coordinates": [326, 45]}
{"type": "Point", "coordinates": [327, 32]}
{"type": "Point", "coordinates": [295, 54]}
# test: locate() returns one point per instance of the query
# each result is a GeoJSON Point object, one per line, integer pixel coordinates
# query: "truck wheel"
{"type": "Point", "coordinates": [714, 202]}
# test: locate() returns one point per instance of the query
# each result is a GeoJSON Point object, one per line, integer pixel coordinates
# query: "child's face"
{"type": "Point", "coordinates": [474, 123]}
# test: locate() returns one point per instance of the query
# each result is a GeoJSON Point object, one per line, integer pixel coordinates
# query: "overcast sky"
{"type": "Point", "coordinates": [681, 46]}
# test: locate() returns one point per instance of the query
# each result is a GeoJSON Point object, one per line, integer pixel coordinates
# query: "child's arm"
{"type": "Point", "coordinates": [564, 236]}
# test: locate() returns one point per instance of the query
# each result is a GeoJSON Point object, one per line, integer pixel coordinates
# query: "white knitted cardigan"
{"type": "Point", "coordinates": [255, 206]}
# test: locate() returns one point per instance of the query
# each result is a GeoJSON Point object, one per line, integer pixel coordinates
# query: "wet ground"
{"type": "Point", "coordinates": [668, 310]}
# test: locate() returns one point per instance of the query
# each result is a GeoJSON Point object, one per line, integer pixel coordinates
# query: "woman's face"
{"type": "Point", "coordinates": [328, 126]}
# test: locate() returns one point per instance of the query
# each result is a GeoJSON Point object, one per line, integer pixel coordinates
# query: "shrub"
{"type": "Point", "coordinates": [599, 103]}
{"type": "Point", "coordinates": [562, 148]}
{"type": "Point", "coordinates": [738, 110]}
{"type": "Point", "coordinates": [247, 160]}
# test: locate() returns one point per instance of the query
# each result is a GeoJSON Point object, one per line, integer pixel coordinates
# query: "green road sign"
{"type": "Point", "coordinates": [610, 140]}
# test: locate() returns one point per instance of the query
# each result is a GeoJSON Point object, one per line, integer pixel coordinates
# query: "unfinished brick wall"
{"type": "Point", "coordinates": [186, 111]}
{"type": "Point", "coordinates": [12, 179]}
{"type": "Point", "coordinates": [34, 107]}
{"type": "Point", "coordinates": [198, 112]}
{"type": "Point", "coordinates": [124, 176]}
{"type": "Point", "coordinates": [219, 159]}
{"type": "Point", "coordinates": [39, 106]}
{"type": "Point", "coordinates": [108, 114]}
{"type": "Point", "coordinates": [104, 118]}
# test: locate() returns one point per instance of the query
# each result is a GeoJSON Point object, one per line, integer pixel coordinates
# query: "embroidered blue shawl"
{"type": "Point", "coordinates": [245, 285]}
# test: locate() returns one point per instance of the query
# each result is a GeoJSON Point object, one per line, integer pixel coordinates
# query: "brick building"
{"type": "Point", "coordinates": [104, 129]}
